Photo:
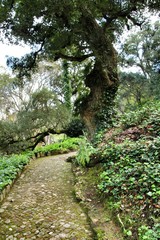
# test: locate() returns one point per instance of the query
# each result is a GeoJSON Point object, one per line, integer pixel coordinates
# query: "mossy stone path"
{"type": "Point", "coordinates": [41, 204]}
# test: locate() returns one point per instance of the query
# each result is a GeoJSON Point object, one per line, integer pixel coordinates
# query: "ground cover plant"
{"type": "Point", "coordinates": [66, 145]}
{"type": "Point", "coordinates": [10, 166]}
{"type": "Point", "coordinates": [131, 172]}
{"type": "Point", "coordinates": [129, 182]}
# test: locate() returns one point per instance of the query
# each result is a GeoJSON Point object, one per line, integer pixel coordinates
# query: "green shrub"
{"type": "Point", "coordinates": [131, 178]}
{"type": "Point", "coordinates": [145, 115]}
{"type": "Point", "coordinates": [75, 128]}
{"type": "Point", "coordinates": [85, 150]}
{"type": "Point", "coordinates": [9, 167]}
{"type": "Point", "coordinates": [146, 233]}
{"type": "Point", "coordinates": [59, 147]}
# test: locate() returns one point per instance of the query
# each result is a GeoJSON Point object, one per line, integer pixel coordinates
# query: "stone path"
{"type": "Point", "coordinates": [41, 204]}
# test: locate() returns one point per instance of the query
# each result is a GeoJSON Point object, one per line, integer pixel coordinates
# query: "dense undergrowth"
{"type": "Point", "coordinates": [129, 182]}
{"type": "Point", "coordinates": [129, 158]}
{"type": "Point", "coordinates": [11, 165]}
{"type": "Point", "coordinates": [64, 146]}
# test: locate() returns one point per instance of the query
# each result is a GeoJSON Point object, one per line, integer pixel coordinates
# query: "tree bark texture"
{"type": "Point", "coordinates": [103, 78]}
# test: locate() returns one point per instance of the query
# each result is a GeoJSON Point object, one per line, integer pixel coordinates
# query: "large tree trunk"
{"type": "Point", "coordinates": [96, 109]}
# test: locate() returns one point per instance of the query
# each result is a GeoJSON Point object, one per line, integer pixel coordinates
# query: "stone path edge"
{"type": "Point", "coordinates": [99, 228]}
{"type": "Point", "coordinates": [81, 201]}
{"type": "Point", "coordinates": [7, 189]}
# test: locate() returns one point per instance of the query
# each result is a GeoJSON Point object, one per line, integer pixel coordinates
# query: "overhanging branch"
{"type": "Point", "coordinates": [118, 14]}
{"type": "Point", "coordinates": [39, 137]}
{"type": "Point", "coordinates": [72, 58]}
{"type": "Point", "coordinates": [134, 21]}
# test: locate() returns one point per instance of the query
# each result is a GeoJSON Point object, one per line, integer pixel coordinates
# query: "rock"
{"type": "Point", "coordinates": [10, 238]}
{"type": "Point", "coordinates": [63, 235]}
{"type": "Point", "coordinates": [23, 226]}
{"type": "Point", "coordinates": [1, 210]}
{"type": "Point", "coordinates": [10, 199]}
{"type": "Point", "coordinates": [7, 221]}
{"type": "Point", "coordinates": [52, 227]}
{"type": "Point", "coordinates": [37, 232]}
{"type": "Point", "coordinates": [68, 211]}
{"type": "Point", "coordinates": [22, 176]}
{"type": "Point", "coordinates": [66, 225]}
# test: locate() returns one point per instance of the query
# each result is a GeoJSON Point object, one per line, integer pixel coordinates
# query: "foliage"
{"type": "Point", "coordinates": [132, 168]}
{"type": "Point", "coordinates": [147, 116]}
{"type": "Point", "coordinates": [98, 137]}
{"type": "Point", "coordinates": [31, 110]}
{"type": "Point", "coordinates": [7, 95]}
{"type": "Point", "coordinates": [75, 128]}
{"type": "Point", "coordinates": [9, 167]}
{"type": "Point", "coordinates": [74, 31]}
{"type": "Point", "coordinates": [133, 92]}
{"type": "Point", "coordinates": [145, 233]}
{"type": "Point", "coordinates": [67, 85]}
{"type": "Point", "coordinates": [15, 93]}
{"type": "Point", "coordinates": [106, 115]}
{"type": "Point", "coordinates": [130, 177]}
{"type": "Point", "coordinates": [85, 150]}
{"type": "Point", "coordinates": [43, 114]}
{"type": "Point", "coordinates": [59, 147]}
{"type": "Point", "coordinates": [140, 52]}
{"type": "Point", "coordinates": [131, 172]}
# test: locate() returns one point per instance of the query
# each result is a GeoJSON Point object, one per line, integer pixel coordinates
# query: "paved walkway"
{"type": "Point", "coordinates": [41, 204]}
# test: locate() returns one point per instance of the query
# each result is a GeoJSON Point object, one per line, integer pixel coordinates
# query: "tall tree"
{"type": "Point", "coordinates": [42, 115]}
{"type": "Point", "coordinates": [31, 110]}
{"type": "Point", "coordinates": [133, 91]}
{"type": "Point", "coordinates": [75, 30]}
{"type": "Point", "coordinates": [142, 51]}
{"type": "Point", "coordinates": [15, 93]}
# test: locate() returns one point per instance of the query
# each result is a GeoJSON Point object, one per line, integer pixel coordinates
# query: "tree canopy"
{"type": "Point", "coordinates": [141, 57]}
{"type": "Point", "coordinates": [75, 31]}
{"type": "Point", "coordinates": [142, 49]}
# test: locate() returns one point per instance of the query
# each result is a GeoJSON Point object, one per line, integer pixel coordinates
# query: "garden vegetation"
{"type": "Point", "coordinates": [11, 165]}
{"type": "Point", "coordinates": [129, 181]}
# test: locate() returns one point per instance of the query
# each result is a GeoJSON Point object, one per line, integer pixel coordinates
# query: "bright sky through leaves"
{"type": "Point", "coordinates": [11, 50]}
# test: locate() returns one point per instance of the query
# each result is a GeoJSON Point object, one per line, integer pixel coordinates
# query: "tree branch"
{"type": "Point", "coordinates": [12, 4]}
{"type": "Point", "coordinates": [72, 58]}
{"type": "Point", "coordinates": [39, 137]}
{"type": "Point", "coordinates": [119, 14]}
{"type": "Point", "coordinates": [134, 21]}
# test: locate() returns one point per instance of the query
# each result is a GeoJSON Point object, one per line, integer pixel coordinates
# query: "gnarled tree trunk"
{"type": "Point", "coordinates": [103, 79]}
